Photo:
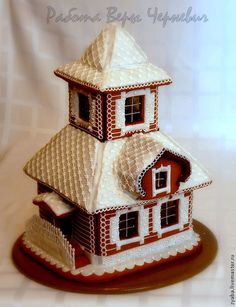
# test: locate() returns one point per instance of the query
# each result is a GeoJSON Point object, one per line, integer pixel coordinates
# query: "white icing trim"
{"type": "Point", "coordinates": [113, 61]}
{"type": "Point", "coordinates": [183, 214]}
{"type": "Point", "coordinates": [149, 99]}
{"type": "Point", "coordinates": [144, 223]}
{"type": "Point", "coordinates": [143, 227]}
{"type": "Point", "coordinates": [164, 245]}
{"type": "Point", "coordinates": [44, 255]}
{"type": "Point", "coordinates": [183, 211]}
{"type": "Point", "coordinates": [161, 249]}
{"type": "Point", "coordinates": [54, 202]}
{"type": "Point", "coordinates": [168, 181]}
{"type": "Point", "coordinates": [50, 239]}
{"type": "Point", "coordinates": [75, 108]}
{"type": "Point", "coordinates": [156, 219]}
{"type": "Point", "coordinates": [69, 148]}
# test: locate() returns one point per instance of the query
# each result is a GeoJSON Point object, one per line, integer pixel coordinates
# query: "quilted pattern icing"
{"type": "Point", "coordinates": [113, 60]}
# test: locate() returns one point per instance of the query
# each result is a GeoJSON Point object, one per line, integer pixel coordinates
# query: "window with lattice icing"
{"type": "Point", "coordinates": [134, 110]}
{"type": "Point", "coordinates": [128, 225]}
{"type": "Point", "coordinates": [169, 213]}
{"type": "Point", "coordinates": [161, 180]}
{"type": "Point", "coordinates": [83, 101]}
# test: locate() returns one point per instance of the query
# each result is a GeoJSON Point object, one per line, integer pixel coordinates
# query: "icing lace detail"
{"type": "Point", "coordinates": [113, 62]}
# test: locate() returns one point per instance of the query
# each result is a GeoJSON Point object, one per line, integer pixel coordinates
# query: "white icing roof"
{"type": "Point", "coordinates": [143, 151]}
{"type": "Point", "coordinates": [81, 168]}
{"type": "Point", "coordinates": [113, 60]}
{"type": "Point", "coordinates": [54, 202]}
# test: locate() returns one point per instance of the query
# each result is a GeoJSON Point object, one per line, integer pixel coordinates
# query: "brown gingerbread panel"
{"type": "Point", "coordinates": [174, 178]}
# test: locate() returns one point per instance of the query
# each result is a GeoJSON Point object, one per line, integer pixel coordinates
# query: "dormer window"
{"type": "Point", "coordinates": [83, 101]}
{"type": "Point", "coordinates": [160, 180]}
{"type": "Point", "coordinates": [134, 110]}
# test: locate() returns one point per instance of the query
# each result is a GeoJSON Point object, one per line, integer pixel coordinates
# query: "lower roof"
{"type": "Point", "coordinates": [82, 169]}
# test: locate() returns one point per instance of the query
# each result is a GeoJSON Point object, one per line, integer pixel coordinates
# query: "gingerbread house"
{"type": "Point", "coordinates": [114, 192]}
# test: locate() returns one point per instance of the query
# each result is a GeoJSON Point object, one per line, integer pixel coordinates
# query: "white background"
{"type": "Point", "coordinates": [198, 110]}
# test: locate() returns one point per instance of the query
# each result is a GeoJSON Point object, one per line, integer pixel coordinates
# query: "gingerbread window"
{"type": "Point", "coordinates": [134, 110]}
{"type": "Point", "coordinates": [128, 225]}
{"type": "Point", "coordinates": [83, 101]}
{"type": "Point", "coordinates": [169, 213]}
{"type": "Point", "coordinates": [161, 180]}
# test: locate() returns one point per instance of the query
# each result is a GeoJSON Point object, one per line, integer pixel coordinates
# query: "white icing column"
{"type": "Point", "coordinates": [183, 214]}
{"type": "Point", "coordinates": [183, 211]}
{"type": "Point", "coordinates": [149, 99]}
{"type": "Point", "coordinates": [143, 227]}
{"type": "Point", "coordinates": [143, 223]}
{"type": "Point", "coordinates": [156, 220]}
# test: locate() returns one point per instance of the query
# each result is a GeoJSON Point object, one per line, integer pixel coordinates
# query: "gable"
{"type": "Point", "coordinates": [174, 167]}
{"type": "Point", "coordinates": [138, 155]}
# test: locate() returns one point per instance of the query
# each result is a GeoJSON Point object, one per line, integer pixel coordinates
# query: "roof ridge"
{"type": "Point", "coordinates": [110, 51]}
{"type": "Point", "coordinates": [97, 176]}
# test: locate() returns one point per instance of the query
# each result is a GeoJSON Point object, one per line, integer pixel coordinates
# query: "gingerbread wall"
{"type": "Point", "coordinates": [83, 225]}
{"type": "Point", "coordinates": [93, 231]}
{"type": "Point", "coordinates": [103, 112]}
{"type": "Point", "coordinates": [107, 248]}
{"type": "Point", "coordinates": [95, 126]}
{"type": "Point", "coordinates": [174, 178]}
{"type": "Point", "coordinates": [83, 230]}
{"type": "Point", "coordinates": [112, 102]}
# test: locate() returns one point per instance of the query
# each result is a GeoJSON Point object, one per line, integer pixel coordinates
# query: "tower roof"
{"type": "Point", "coordinates": [113, 61]}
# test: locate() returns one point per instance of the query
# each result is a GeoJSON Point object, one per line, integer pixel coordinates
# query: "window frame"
{"type": "Point", "coordinates": [175, 203]}
{"type": "Point", "coordinates": [127, 227]}
{"type": "Point", "coordinates": [143, 227]}
{"type": "Point", "coordinates": [141, 102]}
{"type": "Point", "coordinates": [167, 188]}
{"type": "Point", "coordinates": [148, 110]}
{"type": "Point", "coordinates": [80, 106]}
{"type": "Point", "coordinates": [74, 108]}
{"type": "Point", "coordinates": [183, 211]}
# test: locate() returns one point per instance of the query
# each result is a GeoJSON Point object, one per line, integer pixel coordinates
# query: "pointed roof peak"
{"type": "Point", "coordinates": [113, 61]}
{"type": "Point", "coordinates": [113, 48]}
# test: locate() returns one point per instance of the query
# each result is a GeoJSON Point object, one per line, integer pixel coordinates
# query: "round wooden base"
{"type": "Point", "coordinates": [157, 277]}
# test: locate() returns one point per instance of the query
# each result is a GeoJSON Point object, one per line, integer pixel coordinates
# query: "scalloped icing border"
{"type": "Point", "coordinates": [66, 77]}
{"type": "Point", "coordinates": [99, 270]}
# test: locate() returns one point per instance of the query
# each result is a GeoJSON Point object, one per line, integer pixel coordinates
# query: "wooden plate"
{"type": "Point", "coordinates": [157, 277]}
